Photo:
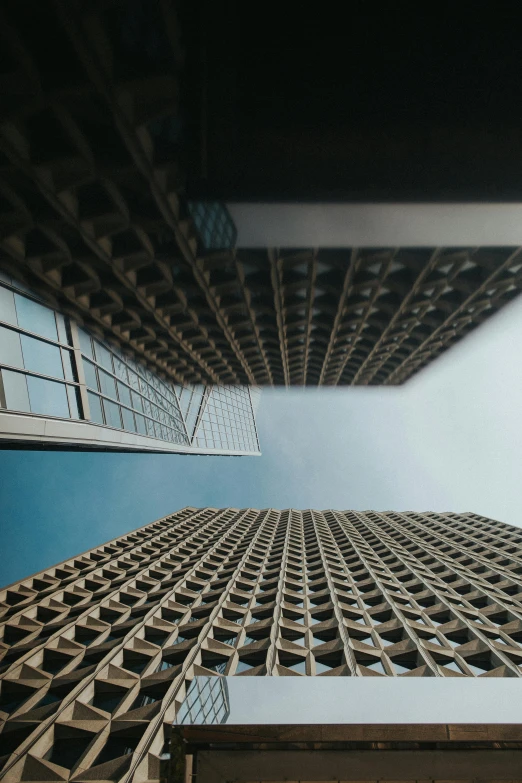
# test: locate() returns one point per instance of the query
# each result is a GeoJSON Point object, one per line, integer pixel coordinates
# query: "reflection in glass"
{"type": "Point", "coordinates": [35, 317]}
{"type": "Point", "coordinates": [47, 397]}
{"type": "Point", "coordinates": [134, 380]}
{"type": "Point", "coordinates": [41, 357]}
{"type": "Point", "coordinates": [15, 389]}
{"type": "Point", "coordinates": [10, 348]}
{"type": "Point", "coordinates": [120, 370]}
{"type": "Point", "coordinates": [207, 701]}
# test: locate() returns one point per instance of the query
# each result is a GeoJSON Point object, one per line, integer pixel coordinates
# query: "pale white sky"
{"type": "Point", "coordinates": [450, 439]}
{"type": "Point", "coordinates": [373, 700]}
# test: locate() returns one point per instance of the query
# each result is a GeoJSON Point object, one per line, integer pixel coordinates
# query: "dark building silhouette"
{"type": "Point", "coordinates": [387, 103]}
{"type": "Point", "coordinates": [129, 126]}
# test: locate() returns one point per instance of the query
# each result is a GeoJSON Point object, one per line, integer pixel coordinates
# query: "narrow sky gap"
{"type": "Point", "coordinates": [448, 440]}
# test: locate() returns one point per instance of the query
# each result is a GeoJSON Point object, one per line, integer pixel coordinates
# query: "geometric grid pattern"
{"type": "Point", "coordinates": [366, 316]}
{"type": "Point", "coordinates": [37, 365]}
{"type": "Point", "coordinates": [190, 401]}
{"type": "Point", "coordinates": [142, 403]}
{"type": "Point", "coordinates": [214, 225]}
{"type": "Point", "coordinates": [207, 702]}
{"type": "Point", "coordinates": [99, 651]}
{"type": "Point", "coordinates": [95, 219]}
{"type": "Point", "coordinates": [227, 421]}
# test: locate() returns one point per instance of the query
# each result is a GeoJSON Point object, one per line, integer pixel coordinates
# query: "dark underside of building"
{"type": "Point", "coordinates": [387, 102]}
{"type": "Point", "coordinates": [120, 119]}
{"type": "Point", "coordinates": [369, 753]}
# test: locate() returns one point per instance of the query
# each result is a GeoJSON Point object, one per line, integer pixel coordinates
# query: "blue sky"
{"type": "Point", "coordinates": [450, 439]}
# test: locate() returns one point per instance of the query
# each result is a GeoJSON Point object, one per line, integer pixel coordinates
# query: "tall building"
{"type": "Point", "coordinates": [100, 214]}
{"type": "Point", "coordinates": [61, 387]}
{"type": "Point", "coordinates": [100, 651]}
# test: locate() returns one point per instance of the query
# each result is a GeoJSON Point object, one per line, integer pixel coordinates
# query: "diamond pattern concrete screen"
{"type": "Point", "coordinates": [104, 646]}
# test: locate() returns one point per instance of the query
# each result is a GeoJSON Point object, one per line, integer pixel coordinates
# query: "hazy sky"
{"type": "Point", "coordinates": [449, 440]}
{"type": "Point", "coordinates": [377, 225]}
{"type": "Point", "coordinates": [373, 700]}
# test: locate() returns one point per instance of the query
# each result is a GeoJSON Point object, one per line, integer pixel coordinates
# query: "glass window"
{"type": "Point", "coordinates": [35, 317]}
{"type": "Point", "coordinates": [68, 365]}
{"type": "Point", "coordinates": [10, 348]}
{"type": "Point", "coordinates": [85, 343]}
{"type": "Point", "coordinates": [112, 412]}
{"type": "Point", "coordinates": [95, 408]}
{"type": "Point", "coordinates": [41, 357]}
{"type": "Point", "coordinates": [90, 375]}
{"type": "Point", "coordinates": [150, 428]}
{"type": "Point", "coordinates": [107, 384]}
{"type": "Point", "coordinates": [47, 397]}
{"type": "Point", "coordinates": [62, 330]}
{"type": "Point", "coordinates": [120, 370]}
{"type": "Point", "coordinates": [74, 402]}
{"type": "Point", "coordinates": [128, 419]}
{"type": "Point", "coordinates": [15, 388]}
{"type": "Point", "coordinates": [134, 380]}
{"type": "Point", "coordinates": [136, 402]}
{"type": "Point", "coordinates": [103, 356]}
{"type": "Point", "coordinates": [7, 306]}
{"type": "Point", "coordinates": [124, 394]}
{"type": "Point", "coordinates": [140, 424]}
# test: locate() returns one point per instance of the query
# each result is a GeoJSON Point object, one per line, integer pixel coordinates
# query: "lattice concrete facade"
{"type": "Point", "coordinates": [94, 215]}
{"type": "Point", "coordinates": [98, 652]}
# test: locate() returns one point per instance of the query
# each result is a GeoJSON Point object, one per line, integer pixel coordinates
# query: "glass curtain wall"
{"type": "Point", "coordinates": [37, 368]}
{"type": "Point", "coordinates": [48, 366]}
{"type": "Point", "coordinates": [125, 395]}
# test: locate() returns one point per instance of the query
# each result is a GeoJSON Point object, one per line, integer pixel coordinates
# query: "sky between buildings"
{"type": "Point", "coordinates": [448, 440]}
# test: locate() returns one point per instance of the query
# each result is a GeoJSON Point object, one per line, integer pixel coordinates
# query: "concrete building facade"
{"type": "Point", "coordinates": [99, 652]}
